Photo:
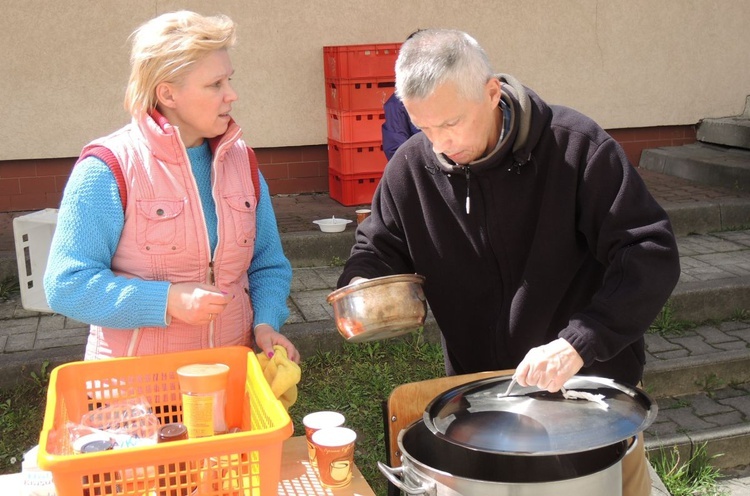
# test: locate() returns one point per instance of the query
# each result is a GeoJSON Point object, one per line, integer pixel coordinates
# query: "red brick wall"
{"type": "Point", "coordinates": [36, 184]}
{"type": "Point", "coordinates": [635, 140]}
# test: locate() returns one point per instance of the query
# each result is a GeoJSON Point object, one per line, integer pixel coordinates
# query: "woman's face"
{"type": "Point", "coordinates": [200, 104]}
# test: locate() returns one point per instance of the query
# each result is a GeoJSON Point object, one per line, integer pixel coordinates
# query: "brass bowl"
{"type": "Point", "coordinates": [379, 308]}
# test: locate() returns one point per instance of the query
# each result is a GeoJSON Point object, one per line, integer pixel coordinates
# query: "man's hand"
{"type": "Point", "coordinates": [549, 366]}
{"type": "Point", "coordinates": [196, 303]}
{"type": "Point", "coordinates": [266, 337]}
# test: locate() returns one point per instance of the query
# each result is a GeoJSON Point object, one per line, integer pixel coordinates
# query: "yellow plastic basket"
{"type": "Point", "coordinates": [246, 463]}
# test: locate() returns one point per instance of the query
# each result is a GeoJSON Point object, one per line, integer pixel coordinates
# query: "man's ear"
{"type": "Point", "coordinates": [494, 91]}
{"type": "Point", "coordinates": [165, 95]}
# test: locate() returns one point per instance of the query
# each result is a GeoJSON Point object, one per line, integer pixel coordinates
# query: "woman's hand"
{"type": "Point", "coordinates": [550, 366]}
{"type": "Point", "coordinates": [196, 303]}
{"type": "Point", "coordinates": [266, 337]}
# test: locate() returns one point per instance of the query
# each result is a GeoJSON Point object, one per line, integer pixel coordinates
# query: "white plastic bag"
{"type": "Point", "coordinates": [35, 481]}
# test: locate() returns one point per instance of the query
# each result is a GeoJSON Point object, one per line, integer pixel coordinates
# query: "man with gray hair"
{"type": "Point", "coordinates": [542, 249]}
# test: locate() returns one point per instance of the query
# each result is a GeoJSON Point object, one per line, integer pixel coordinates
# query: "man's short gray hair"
{"type": "Point", "coordinates": [435, 56]}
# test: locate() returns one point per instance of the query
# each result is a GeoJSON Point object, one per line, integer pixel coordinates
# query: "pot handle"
{"type": "Point", "coordinates": [633, 445]}
{"type": "Point", "coordinates": [392, 474]}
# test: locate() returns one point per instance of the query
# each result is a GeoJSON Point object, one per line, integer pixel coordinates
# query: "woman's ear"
{"type": "Point", "coordinates": [165, 95]}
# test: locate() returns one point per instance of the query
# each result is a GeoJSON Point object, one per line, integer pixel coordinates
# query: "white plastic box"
{"type": "Point", "coordinates": [33, 236]}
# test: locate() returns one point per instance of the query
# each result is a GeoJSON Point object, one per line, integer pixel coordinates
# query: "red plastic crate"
{"type": "Point", "coordinates": [358, 94]}
{"type": "Point", "coordinates": [356, 158]}
{"type": "Point", "coordinates": [355, 127]}
{"type": "Point", "coordinates": [355, 189]}
{"type": "Point", "coordinates": [358, 61]}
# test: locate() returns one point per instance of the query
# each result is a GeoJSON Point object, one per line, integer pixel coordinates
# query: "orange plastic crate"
{"type": "Point", "coordinates": [358, 61]}
{"type": "Point", "coordinates": [354, 127]}
{"type": "Point", "coordinates": [356, 158]}
{"type": "Point", "coordinates": [355, 189]}
{"type": "Point", "coordinates": [246, 463]}
{"type": "Point", "coordinates": [358, 94]}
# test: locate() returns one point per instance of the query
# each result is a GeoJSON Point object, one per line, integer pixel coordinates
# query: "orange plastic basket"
{"type": "Point", "coordinates": [246, 463]}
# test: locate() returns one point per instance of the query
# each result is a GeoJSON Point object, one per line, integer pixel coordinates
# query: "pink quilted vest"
{"type": "Point", "coordinates": [164, 236]}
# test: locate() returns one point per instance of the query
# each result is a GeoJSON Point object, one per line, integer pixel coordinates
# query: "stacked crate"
{"type": "Point", "coordinates": [358, 79]}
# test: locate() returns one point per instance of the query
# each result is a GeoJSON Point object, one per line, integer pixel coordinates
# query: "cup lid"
{"type": "Point", "coordinates": [203, 377]}
{"type": "Point", "coordinates": [323, 419]}
{"type": "Point", "coordinates": [334, 436]}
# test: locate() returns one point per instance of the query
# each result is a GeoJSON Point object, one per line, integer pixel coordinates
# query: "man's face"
{"type": "Point", "coordinates": [462, 129]}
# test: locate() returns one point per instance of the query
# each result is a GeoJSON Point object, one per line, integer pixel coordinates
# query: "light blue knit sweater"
{"type": "Point", "coordinates": [80, 284]}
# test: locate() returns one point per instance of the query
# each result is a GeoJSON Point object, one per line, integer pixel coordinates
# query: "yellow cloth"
{"type": "Point", "coordinates": [282, 374]}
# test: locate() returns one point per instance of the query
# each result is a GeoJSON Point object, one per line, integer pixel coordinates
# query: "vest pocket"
{"type": "Point", "coordinates": [160, 226]}
{"type": "Point", "coordinates": [243, 217]}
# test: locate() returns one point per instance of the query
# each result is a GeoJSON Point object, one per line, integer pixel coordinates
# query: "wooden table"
{"type": "Point", "coordinates": [299, 478]}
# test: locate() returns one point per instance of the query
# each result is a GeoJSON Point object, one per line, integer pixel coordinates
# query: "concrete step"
{"type": "Point", "coordinates": [715, 276]}
{"type": "Point", "coordinates": [730, 131]}
{"type": "Point", "coordinates": [700, 380]}
{"type": "Point", "coordinates": [717, 418]}
{"type": "Point", "coordinates": [701, 162]}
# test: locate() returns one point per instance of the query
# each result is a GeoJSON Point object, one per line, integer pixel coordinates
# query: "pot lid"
{"type": "Point", "coordinates": [531, 421]}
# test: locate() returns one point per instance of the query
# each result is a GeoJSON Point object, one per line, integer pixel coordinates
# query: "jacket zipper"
{"type": "Point", "coordinates": [468, 182]}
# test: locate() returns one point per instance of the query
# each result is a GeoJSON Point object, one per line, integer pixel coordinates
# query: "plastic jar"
{"type": "Point", "coordinates": [203, 388]}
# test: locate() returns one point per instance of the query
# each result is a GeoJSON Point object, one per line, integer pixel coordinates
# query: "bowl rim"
{"type": "Point", "coordinates": [375, 281]}
{"type": "Point", "coordinates": [332, 222]}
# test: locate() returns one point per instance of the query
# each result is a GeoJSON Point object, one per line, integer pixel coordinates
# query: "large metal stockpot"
{"type": "Point", "coordinates": [433, 467]}
{"type": "Point", "coordinates": [475, 440]}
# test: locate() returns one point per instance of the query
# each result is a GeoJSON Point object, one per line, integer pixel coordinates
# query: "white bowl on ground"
{"type": "Point", "coordinates": [332, 225]}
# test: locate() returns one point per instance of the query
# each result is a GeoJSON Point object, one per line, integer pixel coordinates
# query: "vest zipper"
{"type": "Point", "coordinates": [211, 281]}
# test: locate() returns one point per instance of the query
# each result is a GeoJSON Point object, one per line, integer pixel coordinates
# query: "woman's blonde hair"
{"type": "Point", "coordinates": [165, 48]}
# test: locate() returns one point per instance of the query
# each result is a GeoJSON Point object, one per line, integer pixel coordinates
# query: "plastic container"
{"type": "Point", "coordinates": [356, 189]}
{"type": "Point", "coordinates": [33, 237]}
{"type": "Point", "coordinates": [355, 127]}
{"type": "Point", "coordinates": [249, 461]}
{"type": "Point", "coordinates": [358, 94]}
{"type": "Point", "coordinates": [356, 158]}
{"type": "Point", "coordinates": [358, 61]}
{"type": "Point", "coordinates": [203, 389]}
{"type": "Point", "coordinates": [332, 225]}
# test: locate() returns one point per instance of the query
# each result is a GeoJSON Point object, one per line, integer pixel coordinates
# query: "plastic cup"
{"type": "Point", "coordinates": [362, 214]}
{"type": "Point", "coordinates": [314, 422]}
{"type": "Point", "coordinates": [334, 450]}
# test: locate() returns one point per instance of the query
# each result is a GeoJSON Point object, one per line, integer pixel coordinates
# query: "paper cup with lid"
{"type": "Point", "coordinates": [319, 420]}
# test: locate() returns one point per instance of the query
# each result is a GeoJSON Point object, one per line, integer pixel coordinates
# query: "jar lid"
{"type": "Point", "coordinates": [173, 432]}
{"type": "Point", "coordinates": [86, 439]}
{"type": "Point", "coordinates": [98, 445]}
{"type": "Point", "coordinates": [530, 421]}
{"type": "Point", "coordinates": [203, 377]}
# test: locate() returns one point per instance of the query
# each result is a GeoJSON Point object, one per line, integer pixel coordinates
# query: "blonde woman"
{"type": "Point", "coordinates": [166, 237]}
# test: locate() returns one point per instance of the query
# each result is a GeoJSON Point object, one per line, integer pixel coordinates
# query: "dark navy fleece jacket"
{"type": "Point", "coordinates": [570, 244]}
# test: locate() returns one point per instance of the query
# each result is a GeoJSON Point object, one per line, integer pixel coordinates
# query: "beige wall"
{"type": "Point", "coordinates": [626, 63]}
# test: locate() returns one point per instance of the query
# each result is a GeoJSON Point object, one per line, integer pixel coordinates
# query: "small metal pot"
{"type": "Point", "coordinates": [379, 308]}
{"type": "Point", "coordinates": [432, 466]}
